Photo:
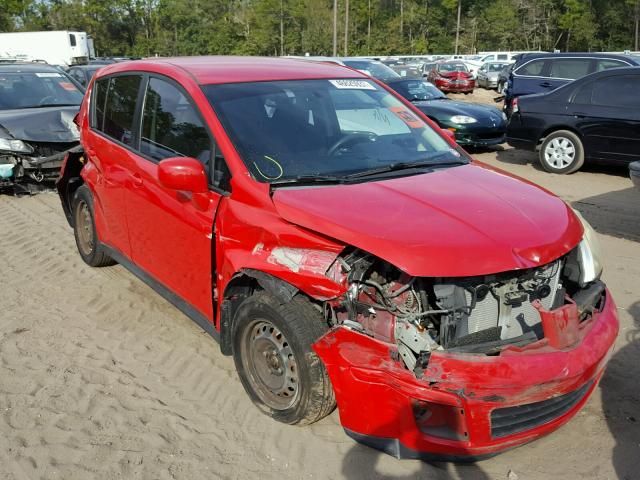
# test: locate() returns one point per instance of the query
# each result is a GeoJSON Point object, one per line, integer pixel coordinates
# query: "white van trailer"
{"type": "Point", "coordinates": [60, 47]}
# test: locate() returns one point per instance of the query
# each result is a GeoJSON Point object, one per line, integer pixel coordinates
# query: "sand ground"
{"type": "Point", "coordinates": [102, 378]}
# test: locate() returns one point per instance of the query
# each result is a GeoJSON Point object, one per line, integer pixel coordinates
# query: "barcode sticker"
{"type": "Point", "coordinates": [352, 84]}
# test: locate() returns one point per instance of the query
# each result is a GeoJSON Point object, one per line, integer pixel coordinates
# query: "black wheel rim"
{"type": "Point", "coordinates": [270, 364]}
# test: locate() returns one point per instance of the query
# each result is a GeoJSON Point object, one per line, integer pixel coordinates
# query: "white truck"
{"type": "Point", "coordinates": [62, 47]}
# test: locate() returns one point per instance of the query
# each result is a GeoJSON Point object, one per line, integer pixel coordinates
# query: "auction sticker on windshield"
{"type": "Point", "coordinates": [352, 84]}
{"type": "Point", "coordinates": [47, 74]}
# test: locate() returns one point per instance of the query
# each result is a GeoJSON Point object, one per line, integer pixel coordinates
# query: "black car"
{"type": "Point", "coordinates": [595, 118]}
{"type": "Point", "coordinates": [544, 72]}
{"type": "Point", "coordinates": [37, 106]}
{"type": "Point", "coordinates": [473, 124]}
{"type": "Point", "coordinates": [84, 73]}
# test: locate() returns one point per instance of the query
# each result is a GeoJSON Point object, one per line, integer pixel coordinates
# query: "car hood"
{"type": "Point", "coordinates": [459, 221]}
{"type": "Point", "coordinates": [50, 124]}
{"type": "Point", "coordinates": [447, 108]}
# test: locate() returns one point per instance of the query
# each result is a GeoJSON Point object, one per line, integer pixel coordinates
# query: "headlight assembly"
{"type": "Point", "coordinates": [589, 254]}
{"type": "Point", "coordinates": [17, 146]}
{"type": "Point", "coordinates": [462, 119]}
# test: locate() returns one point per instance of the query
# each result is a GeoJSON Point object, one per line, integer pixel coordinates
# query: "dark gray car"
{"type": "Point", "coordinates": [37, 106]}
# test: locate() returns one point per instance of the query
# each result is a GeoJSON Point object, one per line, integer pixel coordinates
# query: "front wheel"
{"type": "Point", "coordinates": [562, 152]}
{"type": "Point", "coordinates": [272, 352]}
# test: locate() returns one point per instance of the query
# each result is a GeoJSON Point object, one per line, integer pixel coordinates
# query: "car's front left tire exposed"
{"type": "Point", "coordinates": [84, 228]}
{"type": "Point", "coordinates": [272, 352]}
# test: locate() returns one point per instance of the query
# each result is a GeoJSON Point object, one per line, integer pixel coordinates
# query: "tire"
{"type": "Point", "coordinates": [561, 152]}
{"type": "Point", "coordinates": [84, 229]}
{"type": "Point", "coordinates": [272, 352]}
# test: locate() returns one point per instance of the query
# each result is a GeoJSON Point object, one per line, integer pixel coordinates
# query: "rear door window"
{"type": "Point", "coordinates": [569, 68]}
{"type": "Point", "coordinates": [531, 69]}
{"type": "Point", "coordinates": [119, 107]}
{"type": "Point", "coordinates": [620, 91]}
{"type": "Point", "coordinates": [171, 125]}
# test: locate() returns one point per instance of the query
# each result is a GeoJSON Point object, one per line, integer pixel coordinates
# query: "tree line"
{"type": "Point", "coordinates": [363, 27]}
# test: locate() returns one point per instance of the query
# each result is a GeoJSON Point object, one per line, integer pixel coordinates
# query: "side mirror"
{"type": "Point", "coordinates": [449, 133]}
{"type": "Point", "coordinates": [182, 173]}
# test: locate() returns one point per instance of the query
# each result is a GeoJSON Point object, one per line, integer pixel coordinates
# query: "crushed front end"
{"type": "Point", "coordinates": [26, 168]}
{"type": "Point", "coordinates": [463, 368]}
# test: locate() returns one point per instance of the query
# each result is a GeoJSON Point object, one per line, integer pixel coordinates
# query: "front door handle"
{"type": "Point", "coordinates": [137, 180]}
{"type": "Point", "coordinates": [579, 115]}
{"type": "Point", "coordinates": [545, 84]}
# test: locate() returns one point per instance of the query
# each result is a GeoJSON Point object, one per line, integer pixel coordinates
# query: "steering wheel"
{"type": "Point", "coordinates": [45, 100]}
{"type": "Point", "coordinates": [350, 138]}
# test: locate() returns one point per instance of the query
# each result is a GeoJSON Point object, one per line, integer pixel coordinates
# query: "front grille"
{"type": "Point", "coordinates": [510, 420]}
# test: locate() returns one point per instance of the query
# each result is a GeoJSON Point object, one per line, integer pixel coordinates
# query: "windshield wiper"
{"type": "Point", "coordinates": [45, 105]}
{"type": "Point", "coordinates": [306, 179]}
{"type": "Point", "coordinates": [392, 167]}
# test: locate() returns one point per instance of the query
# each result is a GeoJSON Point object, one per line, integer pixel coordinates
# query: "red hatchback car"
{"type": "Point", "coordinates": [344, 250]}
{"type": "Point", "coordinates": [452, 77]}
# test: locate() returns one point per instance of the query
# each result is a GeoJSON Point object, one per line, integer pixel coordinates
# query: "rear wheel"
{"type": "Point", "coordinates": [84, 229]}
{"type": "Point", "coordinates": [272, 352]}
{"type": "Point", "coordinates": [562, 152]}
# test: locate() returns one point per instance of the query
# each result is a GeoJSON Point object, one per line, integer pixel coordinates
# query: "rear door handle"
{"type": "Point", "coordinates": [545, 84]}
{"type": "Point", "coordinates": [137, 180]}
{"type": "Point", "coordinates": [579, 114]}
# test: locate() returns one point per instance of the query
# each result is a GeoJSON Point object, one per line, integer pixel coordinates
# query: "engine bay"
{"type": "Point", "coordinates": [480, 314]}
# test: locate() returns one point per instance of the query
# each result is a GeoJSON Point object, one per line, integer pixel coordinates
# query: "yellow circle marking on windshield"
{"type": "Point", "coordinates": [266, 177]}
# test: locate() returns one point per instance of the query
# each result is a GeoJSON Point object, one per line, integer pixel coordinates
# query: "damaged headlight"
{"type": "Point", "coordinates": [17, 146]}
{"type": "Point", "coordinates": [589, 254]}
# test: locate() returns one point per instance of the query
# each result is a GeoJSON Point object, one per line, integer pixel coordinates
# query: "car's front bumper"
{"type": "Point", "coordinates": [450, 86]}
{"type": "Point", "coordinates": [477, 134]}
{"type": "Point", "coordinates": [377, 397]}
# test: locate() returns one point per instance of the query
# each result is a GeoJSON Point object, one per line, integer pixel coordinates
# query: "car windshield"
{"type": "Point", "coordinates": [417, 90]}
{"type": "Point", "coordinates": [453, 67]}
{"type": "Point", "coordinates": [375, 69]}
{"type": "Point", "coordinates": [310, 128]}
{"type": "Point", "coordinates": [37, 89]}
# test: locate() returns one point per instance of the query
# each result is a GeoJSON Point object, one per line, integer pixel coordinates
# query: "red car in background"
{"type": "Point", "coordinates": [452, 76]}
{"type": "Point", "coordinates": [344, 250]}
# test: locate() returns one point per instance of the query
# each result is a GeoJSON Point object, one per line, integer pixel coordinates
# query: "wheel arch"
{"type": "Point", "coordinates": [556, 128]}
{"type": "Point", "coordinates": [241, 286]}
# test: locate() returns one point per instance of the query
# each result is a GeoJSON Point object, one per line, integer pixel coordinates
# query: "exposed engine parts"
{"type": "Point", "coordinates": [38, 171]}
{"type": "Point", "coordinates": [419, 315]}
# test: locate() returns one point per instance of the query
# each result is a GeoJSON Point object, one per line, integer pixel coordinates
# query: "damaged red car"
{"type": "Point", "coordinates": [344, 250]}
{"type": "Point", "coordinates": [452, 76]}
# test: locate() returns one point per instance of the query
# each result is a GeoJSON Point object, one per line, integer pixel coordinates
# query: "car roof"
{"type": "Point", "coordinates": [230, 69]}
{"type": "Point", "coordinates": [617, 56]}
{"type": "Point", "coordinates": [92, 66]}
{"type": "Point", "coordinates": [27, 67]}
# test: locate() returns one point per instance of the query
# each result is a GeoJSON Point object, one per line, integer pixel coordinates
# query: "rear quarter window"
{"type": "Point", "coordinates": [607, 64]}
